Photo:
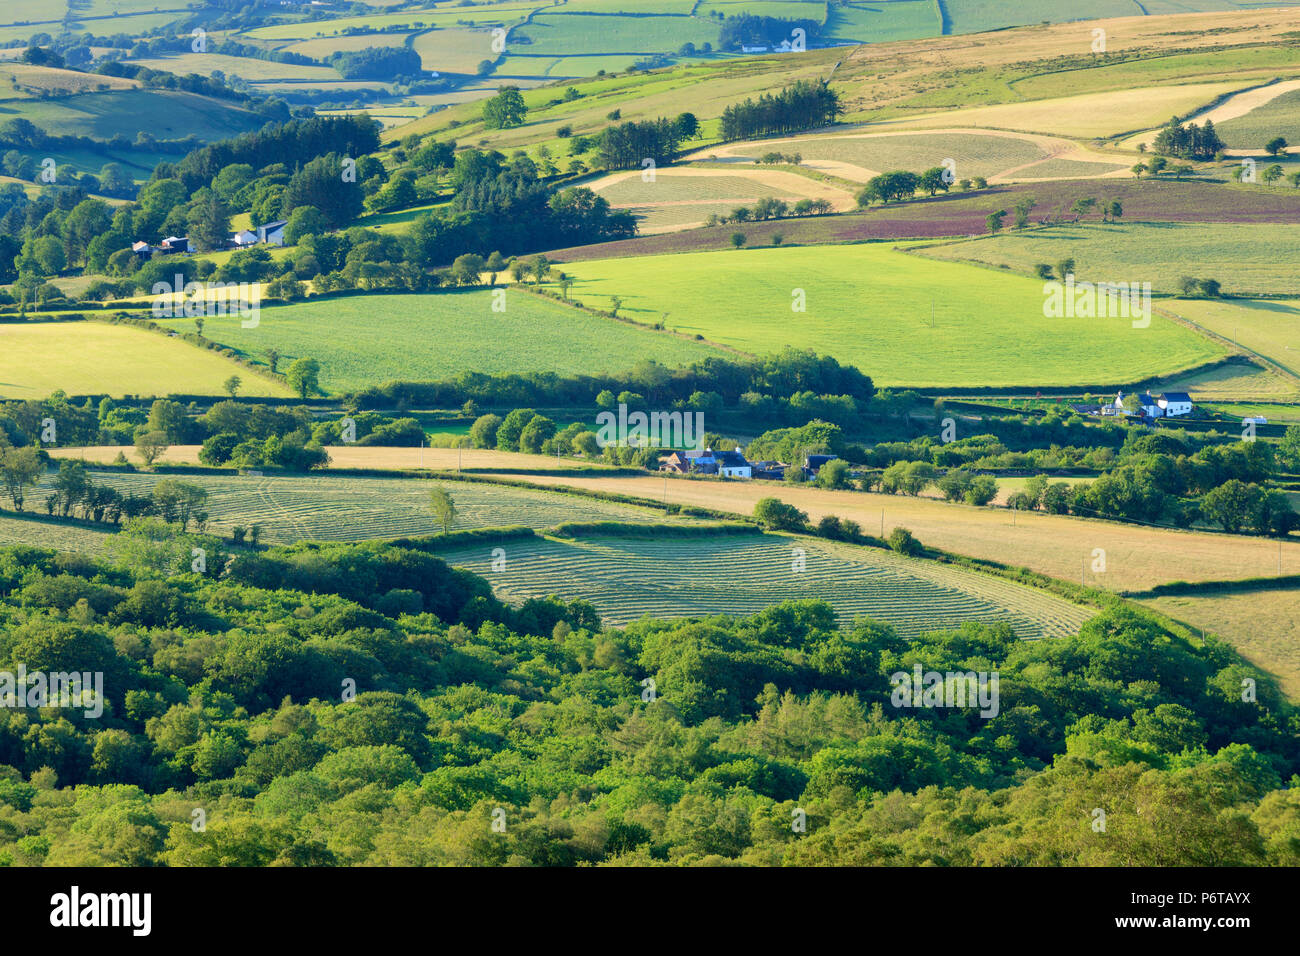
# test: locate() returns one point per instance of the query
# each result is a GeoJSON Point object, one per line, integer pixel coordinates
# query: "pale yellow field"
{"type": "Point", "coordinates": [1263, 625]}
{"type": "Point", "coordinates": [1092, 115]}
{"type": "Point", "coordinates": [95, 358]}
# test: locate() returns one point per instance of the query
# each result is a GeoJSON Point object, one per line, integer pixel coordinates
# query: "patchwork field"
{"type": "Point", "coordinates": [444, 334]}
{"type": "Point", "coordinates": [325, 508]}
{"type": "Point", "coordinates": [1244, 258]}
{"type": "Point", "coordinates": [903, 319]}
{"type": "Point", "coordinates": [560, 35]}
{"type": "Point", "coordinates": [627, 578]}
{"type": "Point", "coordinates": [39, 358]}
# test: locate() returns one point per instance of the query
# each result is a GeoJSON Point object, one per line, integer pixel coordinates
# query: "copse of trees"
{"type": "Point", "coordinates": [388, 63]}
{"type": "Point", "coordinates": [803, 105]}
{"type": "Point", "coordinates": [628, 145]}
{"type": "Point", "coordinates": [748, 29]}
{"type": "Point", "coordinates": [1188, 141]}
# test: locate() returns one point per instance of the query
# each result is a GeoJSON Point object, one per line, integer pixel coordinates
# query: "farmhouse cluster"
{"type": "Point", "coordinates": [1144, 406]}
{"type": "Point", "coordinates": [271, 234]}
{"type": "Point", "coordinates": [733, 464]}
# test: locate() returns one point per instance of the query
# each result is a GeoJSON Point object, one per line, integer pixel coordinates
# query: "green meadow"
{"type": "Point", "coordinates": [372, 339]}
{"type": "Point", "coordinates": [903, 319]}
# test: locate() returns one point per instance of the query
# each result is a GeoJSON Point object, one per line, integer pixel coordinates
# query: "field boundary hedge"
{"type": "Point", "coordinates": [628, 529]}
{"type": "Point", "coordinates": [465, 538]}
{"type": "Point", "coordinates": [1284, 582]}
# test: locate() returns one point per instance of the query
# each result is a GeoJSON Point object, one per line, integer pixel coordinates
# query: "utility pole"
{"type": "Point", "coordinates": [882, 524]}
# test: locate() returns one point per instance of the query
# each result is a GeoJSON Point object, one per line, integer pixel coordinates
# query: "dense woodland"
{"type": "Point", "coordinates": [230, 693]}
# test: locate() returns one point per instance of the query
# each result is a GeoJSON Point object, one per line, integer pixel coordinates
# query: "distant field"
{"type": "Point", "coordinates": [975, 16]}
{"type": "Point", "coordinates": [321, 507]}
{"type": "Point", "coordinates": [1239, 382]}
{"type": "Point", "coordinates": [105, 115]}
{"type": "Point", "coordinates": [567, 35]}
{"type": "Point", "coordinates": [902, 319]}
{"type": "Point", "coordinates": [627, 578]}
{"type": "Point", "coordinates": [321, 48]}
{"type": "Point", "coordinates": [369, 340]}
{"type": "Point", "coordinates": [18, 79]}
{"type": "Point", "coordinates": [1244, 258]}
{"type": "Point", "coordinates": [882, 22]}
{"type": "Point", "coordinates": [92, 358]}
{"type": "Point", "coordinates": [458, 50]}
{"type": "Point", "coordinates": [446, 16]}
{"type": "Point", "coordinates": [247, 67]}
{"type": "Point", "coordinates": [1270, 327]}
{"type": "Point", "coordinates": [1065, 169]}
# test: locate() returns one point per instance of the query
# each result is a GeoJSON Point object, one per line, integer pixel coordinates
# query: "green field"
{"type": "Point", "coordinates": [372, 339]}
{"type": "Point", "coordinates": [1065, 169]}
{"type": "Point", "coordinates": [1244, 258]}
{"type": "Point", "coordinates": [319, 507]}
{"type": "Point", "coordinates": [1270, 327]}
{"type": "Point", "coordinates": [94, 358]}
{"type": "Point", "coordinates": [1277, 117]}
{"type": "Point", "coordinates": [559, 35]}
{"type": "Point", "coordinates": [882, 22]}
{"type": "Point", "coordinates": [118, 112]}
{"type": "Point", "coordinates": [627, 578]}
{"type": "Point", "coordinates": [902, 319]}
{"type": "Point", "coordinates": [976, 16]}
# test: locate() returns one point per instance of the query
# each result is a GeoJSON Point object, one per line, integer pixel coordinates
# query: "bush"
{"type": "Point", "coordinates": [901, 540]}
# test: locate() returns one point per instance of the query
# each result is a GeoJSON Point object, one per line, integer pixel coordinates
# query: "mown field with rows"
{"type": "Point", "coordinates": [292, 508]}
{"type": "Point", "coordinates": [47, 534]}
{"type": "Point", "coordinates": [626, 578]}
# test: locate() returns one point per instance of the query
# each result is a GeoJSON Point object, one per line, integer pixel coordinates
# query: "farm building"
{"type": "Point", "coordinates": [728, 464]}
{"type": "Point", "coordinates": [273, 232]}
{"type": "Point", "coordinates": [174, 244]}
{"type": "Point", "coordinates": [244, 238]}
{"type": "Point", "coordinates": [1176, 403]}
{"type": "Point", "coordinates": [767, 469]}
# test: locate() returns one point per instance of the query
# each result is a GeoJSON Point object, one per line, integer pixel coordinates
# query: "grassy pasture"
{"type": "Point", "coordinates": [90, 358]}
{"type": "Point", "coordinates": [457, 50]}
{"type": "Point", "coordinates": [322, 47]}
{"type": "Point", "coordinates": [627, 578]}
{"type": "Point", "coordinates": [1270, 327]}
{"type": "Point", "coordinates": [498, 13]}
{"type": "Point", "coordinates": [872, 306]}
{"type": "Point", "coordinates": [325, 508]}
{"type": "Point", "coordinates": [631, 190]}
{"type": "Point", "coordinates": [1262, 625]}
{"type": "Point", "coordinates": [1087, 115]}
{"type": "Point", "coordinates": [1244, 258]}
{"type": "Point", "coordinates": [976, 16]}
{"type": "Point", "coordinates": [1066, 169]}
{"type": "Point", "coordinates": [368, 340]}
{"type": "Point", "coordinates": [882, 22]}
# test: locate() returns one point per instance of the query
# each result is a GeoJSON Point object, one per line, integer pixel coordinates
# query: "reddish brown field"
{"type": "Point", "coordinates": [963, 214]}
